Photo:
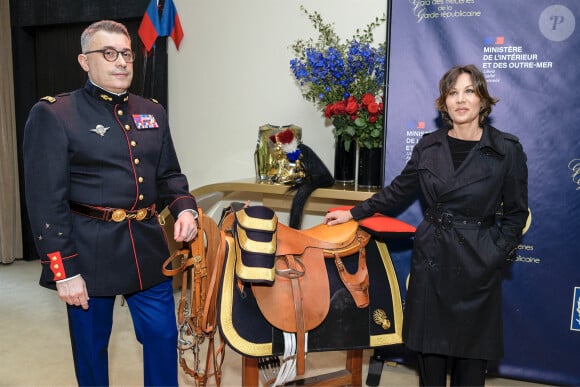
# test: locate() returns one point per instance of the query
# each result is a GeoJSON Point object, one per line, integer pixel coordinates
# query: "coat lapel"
{"type": "Point", "coordinates": [474, 168]}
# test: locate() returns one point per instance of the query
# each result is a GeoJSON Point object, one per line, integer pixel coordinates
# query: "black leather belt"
{"type": "Point", "coordinates": [447, 219]}
{"type": "Point", "coordinates": [107, 214]}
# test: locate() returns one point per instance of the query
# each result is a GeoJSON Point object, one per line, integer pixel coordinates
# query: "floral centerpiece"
{"type": "Point", "coordinates": [345, 80]}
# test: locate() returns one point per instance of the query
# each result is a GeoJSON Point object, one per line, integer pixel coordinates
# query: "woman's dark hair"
{"type": "Point", "coordinates": [448, 81]}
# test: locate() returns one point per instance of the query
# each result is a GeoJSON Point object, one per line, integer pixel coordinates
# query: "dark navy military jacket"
{"type": "Point", "coordinates": [101, 149]}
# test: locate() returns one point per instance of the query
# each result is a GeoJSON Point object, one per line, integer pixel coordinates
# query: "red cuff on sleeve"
{"type": "Point", "coordinates": [56, 265]}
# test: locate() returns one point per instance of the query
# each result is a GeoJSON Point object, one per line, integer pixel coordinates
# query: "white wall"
{"type": "Point", "coordinates": [231, 75]}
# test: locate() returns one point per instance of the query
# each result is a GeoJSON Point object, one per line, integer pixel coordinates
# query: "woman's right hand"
{"type": "Point", "coordinates": [337, 217]}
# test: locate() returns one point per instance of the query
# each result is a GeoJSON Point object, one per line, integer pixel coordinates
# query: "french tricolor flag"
{"type": "Point", "coordinates": [152, 27]}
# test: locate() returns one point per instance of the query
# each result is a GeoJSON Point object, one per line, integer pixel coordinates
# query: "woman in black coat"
{"type": "Point", "coordinates": [473, 179]}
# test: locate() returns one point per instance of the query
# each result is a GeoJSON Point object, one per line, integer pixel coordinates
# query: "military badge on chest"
{"type": "Point", "coordinates": [101, 130]}
{"type": "Point", "coordinates": [145, 121]}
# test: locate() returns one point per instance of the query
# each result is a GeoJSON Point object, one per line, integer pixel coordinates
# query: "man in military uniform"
{"type": "Point", "coordinates": [97, 160]}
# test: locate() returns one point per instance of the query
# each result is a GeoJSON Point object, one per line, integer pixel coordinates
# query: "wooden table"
{"type": "Point", "coordinates": [277, 196]}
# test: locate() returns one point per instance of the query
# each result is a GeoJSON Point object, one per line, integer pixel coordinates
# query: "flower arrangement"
{"type": "Point", "coordinates": [345, 80]}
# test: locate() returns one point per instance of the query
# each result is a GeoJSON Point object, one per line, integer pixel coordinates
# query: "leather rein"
{"type": "Point", "coordinates": [200, 264]}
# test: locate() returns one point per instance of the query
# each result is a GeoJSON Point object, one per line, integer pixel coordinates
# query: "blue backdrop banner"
{"type": "Point", "coordinates": [529, 52]}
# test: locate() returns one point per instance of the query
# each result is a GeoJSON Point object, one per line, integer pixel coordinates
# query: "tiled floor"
{"type": "Point", "coordinates": [35, 350]}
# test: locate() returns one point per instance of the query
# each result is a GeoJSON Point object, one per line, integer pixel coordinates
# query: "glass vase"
{"type": "Point", "coordinates": [370, 161]}
{"type": "Point", "coordinates": [344, 162]}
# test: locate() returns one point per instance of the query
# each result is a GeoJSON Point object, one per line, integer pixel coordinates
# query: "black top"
{"type": "Point", "coordinates": [459, 149]}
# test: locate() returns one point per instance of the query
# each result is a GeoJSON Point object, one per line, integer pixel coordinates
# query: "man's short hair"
{"type": "Point", "coordinates": [103, 25]}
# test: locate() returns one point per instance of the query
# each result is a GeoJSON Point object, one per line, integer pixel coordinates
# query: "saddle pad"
{"type": "Point", "coordinates": [254, 231]}
{"type": "Point", "coordinates": [345, 327]}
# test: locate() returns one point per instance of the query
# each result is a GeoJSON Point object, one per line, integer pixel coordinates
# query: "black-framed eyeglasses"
{"type": "Point", "coordinates": [111, 55]}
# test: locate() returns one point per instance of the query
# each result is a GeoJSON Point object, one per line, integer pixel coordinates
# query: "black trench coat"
{"type": "Point", "coordinates": [453, 304]}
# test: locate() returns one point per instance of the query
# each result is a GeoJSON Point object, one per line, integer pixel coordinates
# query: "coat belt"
{"type": "Point", "coordinates": [108, 214]}
{"type": "Point", "coordinates": [446, 219]}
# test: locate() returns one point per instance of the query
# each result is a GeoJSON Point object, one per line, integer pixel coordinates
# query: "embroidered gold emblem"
{"type": "Point", "coordinates": [380, 318]}
{"type": "Point", "coordinates": [106, 97]}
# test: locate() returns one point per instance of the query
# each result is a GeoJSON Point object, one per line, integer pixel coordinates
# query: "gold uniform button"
{"type": "Point", "coordinates": [120, 112]}
{"type": "Point", "coordinates": [136, 161]}
{"type": "Point", "coordinates": [133, 143]}
{"type": "Point", "coordinates": [55, 266]}
{"type": "Point", "coordinates": [58, 275]}
{"type": "Point", "coordinates": [127, 127]}
{"type": "Point", "coordinates": [141, 197]}
{"type": "Point", "coordinates": [140, 179]}
{"type": "Point", "coordinates": [54, 258]}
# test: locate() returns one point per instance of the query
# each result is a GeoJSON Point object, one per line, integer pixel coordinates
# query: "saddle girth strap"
{"type": "Point", "coordinates": [299, 316]}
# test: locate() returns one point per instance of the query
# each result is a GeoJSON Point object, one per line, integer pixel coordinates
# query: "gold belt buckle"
{"type": "Point", "coordinates": [141, 214]}
{"type": "Point", "coordinates": [119, 215]}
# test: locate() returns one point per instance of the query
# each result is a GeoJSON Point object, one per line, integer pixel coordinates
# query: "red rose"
{"type": "Point", "coordinates": [339, 107]}
{"type": "Point", "coordinates": [367, 99]}
{"type": "Point", "coordinates": [334, 109]}
{"type": "Point", "coordinates": [328, 111]}
{"type": "Point", "coordinates": [373, 107]}
{"type": "Point", "coordinates": [373, 119]}
{"type": "Point", "coordinates": [351, 106]}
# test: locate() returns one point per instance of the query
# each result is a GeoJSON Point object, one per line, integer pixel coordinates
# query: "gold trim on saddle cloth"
{"type": "Point", "coordinates": [253, 246]}
{"type": "Point", "coordinates": [226, 313]}
{"type": "Point", "coordinates": [251, 223]}
{"type": "Point", "coordinates": [397, 336]}
{"type": "Point", "coordinates": [253, 273]}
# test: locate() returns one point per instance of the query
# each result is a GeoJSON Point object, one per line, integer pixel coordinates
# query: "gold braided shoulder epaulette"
{"type": "Point", "coordinates": [49, 99]}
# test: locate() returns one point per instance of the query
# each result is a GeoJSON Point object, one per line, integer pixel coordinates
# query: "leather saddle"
{"type": "Point", "coordinates": [298, 298]}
